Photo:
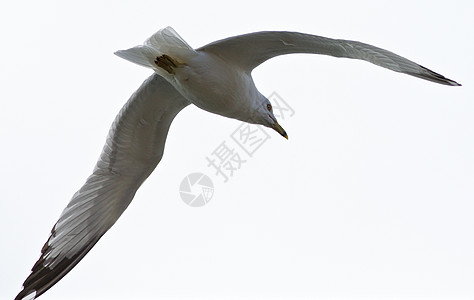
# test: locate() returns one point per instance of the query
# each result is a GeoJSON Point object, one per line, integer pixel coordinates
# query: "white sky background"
{"type": "Point", "coordinates": [371, 197]}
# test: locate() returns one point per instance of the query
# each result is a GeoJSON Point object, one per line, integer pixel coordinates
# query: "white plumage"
{"type": "Point", "coordinates": [217, 78]}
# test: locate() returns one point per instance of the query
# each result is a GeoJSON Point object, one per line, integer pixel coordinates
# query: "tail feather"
{"type": "Point", "coordinates": [167, 38]}
{"type": "Point", "coordinates": [141, 55]}
{"type": "Point", "coordinates": [165, 42]}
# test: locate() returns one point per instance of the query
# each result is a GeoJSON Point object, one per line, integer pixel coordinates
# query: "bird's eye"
{"type": "Point", "coordinates": [269, 107]}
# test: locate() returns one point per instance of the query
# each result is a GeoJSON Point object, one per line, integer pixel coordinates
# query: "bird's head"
{"type": "Point", "coordinates": [263, 115]}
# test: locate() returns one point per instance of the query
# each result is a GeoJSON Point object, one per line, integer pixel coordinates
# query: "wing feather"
{"type": "Point", "coordinates": [250, 50]}
{"type": "Point", "coordinates": [134, 147]}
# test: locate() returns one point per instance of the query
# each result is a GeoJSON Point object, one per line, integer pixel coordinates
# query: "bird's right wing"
{"type": "Point", "coordinates": [250, 50]}
{"type": "Point", "coordinates": [134, 147]}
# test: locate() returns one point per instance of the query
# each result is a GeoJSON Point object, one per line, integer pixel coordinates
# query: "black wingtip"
{"type": "Point", "coordinates": [436, 77]}
{"type": "Point", "coordinates": [26, 294]}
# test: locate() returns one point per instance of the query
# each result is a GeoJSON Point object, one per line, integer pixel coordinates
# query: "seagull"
{"type": "Point", "coordinates": [217, 78]}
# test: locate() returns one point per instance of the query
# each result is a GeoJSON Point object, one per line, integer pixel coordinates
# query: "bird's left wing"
{"type": "Point", "coordinates": [134, 147]}
{"type": "Point", "coordinates": [250, 50]}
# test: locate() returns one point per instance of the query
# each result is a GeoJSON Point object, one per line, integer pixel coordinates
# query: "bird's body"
{"type": "Point", "coordinates": [216, 78]}
{"type": "Point", "coordinates": [229, 89]}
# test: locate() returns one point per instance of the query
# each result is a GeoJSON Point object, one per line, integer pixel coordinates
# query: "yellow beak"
{"type": "Point", "coordinates": [280, 130]}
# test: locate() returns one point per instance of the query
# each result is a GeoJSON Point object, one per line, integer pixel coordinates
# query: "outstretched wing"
{"type": "Point", "coordinates": [134, 147]}
{"type": "Point", "coordinates": [250, 50]}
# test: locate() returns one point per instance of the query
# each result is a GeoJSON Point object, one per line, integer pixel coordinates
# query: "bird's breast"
{"type": "Point", "coordinates": [215, 86]}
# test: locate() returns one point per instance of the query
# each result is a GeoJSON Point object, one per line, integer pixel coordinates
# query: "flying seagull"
{"type": "Point", "coordinates": [216, 78]}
